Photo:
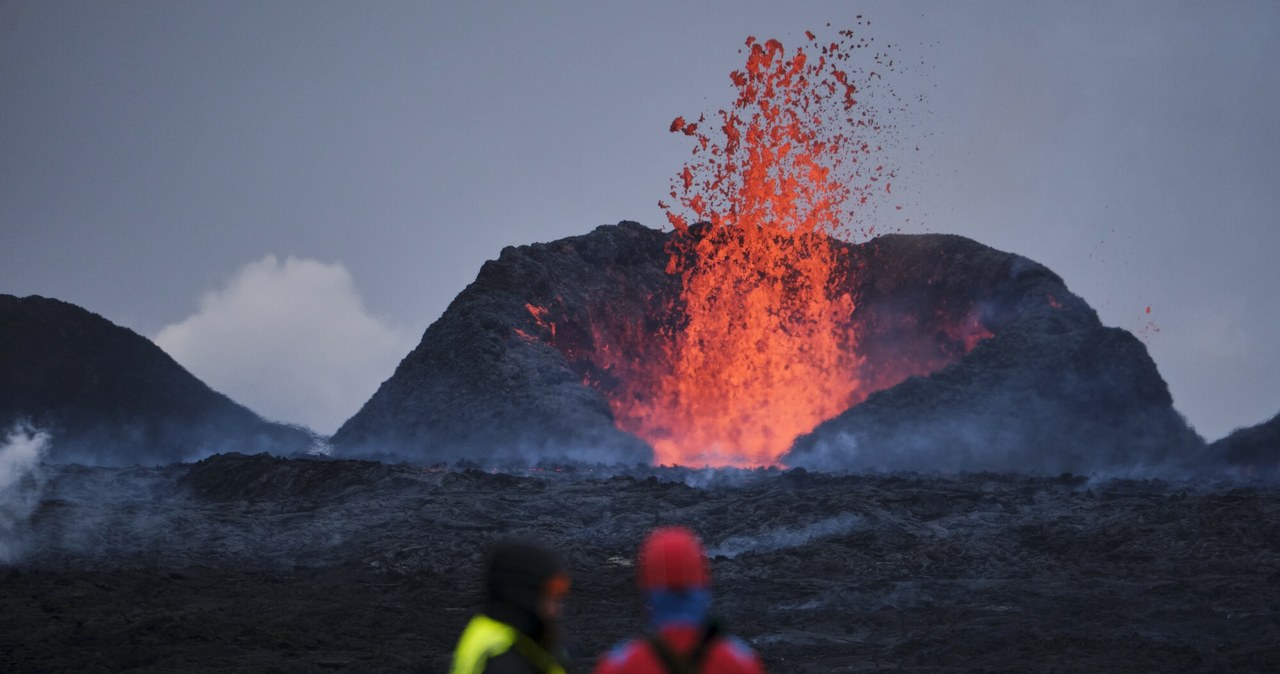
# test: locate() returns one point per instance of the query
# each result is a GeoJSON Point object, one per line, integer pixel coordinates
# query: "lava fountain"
{"type": "Point", "coordinates": [767, 349]}
{"type": "Point", "coordinates": [761, 341]}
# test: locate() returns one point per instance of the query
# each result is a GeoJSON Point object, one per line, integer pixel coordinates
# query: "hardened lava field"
{"type": "Point", "coordinates": [242, 562]}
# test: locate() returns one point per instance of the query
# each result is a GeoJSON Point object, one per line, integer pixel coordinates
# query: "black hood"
{"type": "Point", "coordinates": [513, 581]}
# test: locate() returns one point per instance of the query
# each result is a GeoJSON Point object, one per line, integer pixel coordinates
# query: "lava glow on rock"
{"type": "Point", "coordinates": [762, 341]}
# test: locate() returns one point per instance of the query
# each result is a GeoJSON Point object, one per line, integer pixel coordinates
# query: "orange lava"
{"type": "Point", "coordinates": [767, 348]}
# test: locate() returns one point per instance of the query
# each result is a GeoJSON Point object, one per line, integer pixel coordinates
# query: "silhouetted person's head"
{"type": "Point", "coordinates": [525, 586]}
{"type": "Point", "coordinates": [674, 577]}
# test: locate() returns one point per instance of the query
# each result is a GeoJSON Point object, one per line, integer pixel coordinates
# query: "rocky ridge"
{"type": "Point", "coordinates": [109, 396]}
{"type": "Point", "coordinates": [1052, 390]}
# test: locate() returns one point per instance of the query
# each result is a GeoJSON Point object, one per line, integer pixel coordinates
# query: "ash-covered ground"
{"type": "Point", "coordinates": [244, 563]}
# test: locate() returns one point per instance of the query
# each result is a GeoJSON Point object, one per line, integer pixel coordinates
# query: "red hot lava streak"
{"type": "Point", "coordinates": [767, 349]}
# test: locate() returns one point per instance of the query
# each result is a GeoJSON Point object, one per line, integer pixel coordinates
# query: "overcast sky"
{"type": "Point", "coordinates": [285, 194]}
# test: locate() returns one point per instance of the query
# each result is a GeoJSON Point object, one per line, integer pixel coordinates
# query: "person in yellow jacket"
{"type": "Point", "coordinates": [518, 631]}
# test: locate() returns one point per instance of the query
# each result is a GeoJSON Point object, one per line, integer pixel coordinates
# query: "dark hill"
{"type": "Point", "coordinates": [1052, 391]}
{"type": "Point", "coordinates": [1254, 450]}
{"type": "Point", "coordinates": [474, 388]}
{"type": "Point", "coordinates": [112, 397]}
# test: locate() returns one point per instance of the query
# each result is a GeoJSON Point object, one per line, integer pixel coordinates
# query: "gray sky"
{"type": "Point", "coordinates": [285, 194]}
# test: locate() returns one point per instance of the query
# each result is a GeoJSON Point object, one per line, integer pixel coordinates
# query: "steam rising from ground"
{"type": "Point", "coordinates": [291, 340]}
{"type": "Point", "coordinates": [780, 539]}
{"type": "Point", "coordinates": [21, 484]}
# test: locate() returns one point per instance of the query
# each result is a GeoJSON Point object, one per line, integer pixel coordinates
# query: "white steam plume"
{"type": "Point", "coordinates": [291, 340]}
{"type": "Point", "coordinates": [21, 484]}
{"type": "Point", "coordinates": [780, 539]}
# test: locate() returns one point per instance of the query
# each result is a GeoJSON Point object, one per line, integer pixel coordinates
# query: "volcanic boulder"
{"type": "Point", "coordinates": [112, 397]}
{"type": "Point", "coordinates": [1051, 391]}
{"type": "Point", "coordinates": [984, 361]}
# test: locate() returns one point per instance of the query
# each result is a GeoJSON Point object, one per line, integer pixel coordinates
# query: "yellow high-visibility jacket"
{"type": "Point", "coordinates": [486, 638]}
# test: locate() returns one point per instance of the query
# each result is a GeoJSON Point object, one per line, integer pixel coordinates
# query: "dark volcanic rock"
{"type": "Point", "coordinates": [1254, 450]}
{"type": "Point", "coordinates": [111, 397]}
{"type": "Point", "coordinates": [475, 387]}
{"type": "Point", "coordinates": [356, 566]}
{"type": "Point", "coordinates": [1052, 391]}
{"type": "Point", "coordinates": [237, 476]}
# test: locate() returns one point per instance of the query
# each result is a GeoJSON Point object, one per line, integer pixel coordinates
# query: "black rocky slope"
{"type": "Point", "coordinates": [477, 388]}
{"type": "Point", "coordinates": [109, 396]}
{"type": "Point", "coordinates": [1254, 450]}
{"type": "Point", "coordinates": [1052, 391]}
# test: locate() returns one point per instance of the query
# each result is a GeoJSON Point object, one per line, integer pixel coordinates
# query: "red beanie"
{"type": "Point", "coordinates": [671, 558]}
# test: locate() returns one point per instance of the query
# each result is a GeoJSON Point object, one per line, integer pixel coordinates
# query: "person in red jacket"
{"type": "Point", "coordinates": [675, 580]}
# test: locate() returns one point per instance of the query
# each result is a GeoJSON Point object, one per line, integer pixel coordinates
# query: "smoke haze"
{"type": "Point", "coordinates": [780, 539]}
{"type": "Point", "coordinates": [21, 484]}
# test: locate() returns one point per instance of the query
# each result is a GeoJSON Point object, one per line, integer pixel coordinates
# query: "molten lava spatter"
{"type": "Point", "coordinates": [767, 348]}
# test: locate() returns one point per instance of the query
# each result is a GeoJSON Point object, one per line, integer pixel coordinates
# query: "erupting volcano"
{"type": "Point", "coordinates": [761, 342]}
{"type": "Point", "coordinates": [757, 332]}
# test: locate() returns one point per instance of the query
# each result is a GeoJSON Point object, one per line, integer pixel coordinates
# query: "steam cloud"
{"type": "Point", "coordinates": [780, 539]}
{"type": "Point", "coordinates": [21, 484]}
{"type": "Point", "coordinates": [291, 340]}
